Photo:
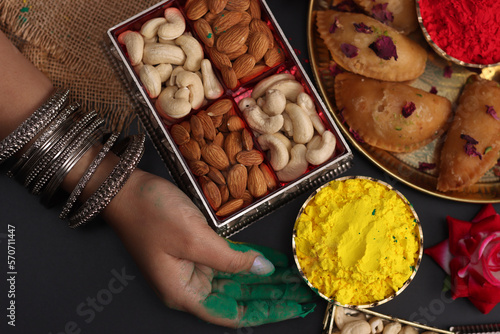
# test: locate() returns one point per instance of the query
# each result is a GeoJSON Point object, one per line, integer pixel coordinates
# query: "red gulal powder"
{"type": "Point", "coordinates": [468, 30]}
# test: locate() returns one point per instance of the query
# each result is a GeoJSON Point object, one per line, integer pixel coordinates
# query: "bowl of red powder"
{"type": "Point", "coordinates": [466, 32]}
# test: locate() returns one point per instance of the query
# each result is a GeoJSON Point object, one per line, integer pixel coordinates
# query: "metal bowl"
{"type": "Point", "coordinates": [440, 51]}
{"type": "Point", "coordinates": [377, 302]}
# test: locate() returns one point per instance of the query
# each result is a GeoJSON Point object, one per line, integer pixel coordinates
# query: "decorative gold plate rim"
{"type": "Point", "coordinates": [481, 192]}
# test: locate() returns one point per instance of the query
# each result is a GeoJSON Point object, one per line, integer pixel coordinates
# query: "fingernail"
{"type": "Point", "coordinates": [262, 266]}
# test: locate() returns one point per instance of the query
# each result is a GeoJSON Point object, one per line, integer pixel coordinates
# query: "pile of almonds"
{"type": "Point", "coordinates": [240, 44]}
{"type": "Point", "coordinates": [220, 152]}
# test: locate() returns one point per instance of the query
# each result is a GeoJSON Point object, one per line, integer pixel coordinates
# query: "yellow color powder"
{"type": "Point", "coordinates": [357, 241]}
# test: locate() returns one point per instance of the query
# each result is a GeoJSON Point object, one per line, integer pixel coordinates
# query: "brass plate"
{"type": "Point", "coordinates": [404, 166]}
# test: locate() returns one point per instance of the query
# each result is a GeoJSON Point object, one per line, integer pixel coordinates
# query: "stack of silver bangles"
{"type": "Point", "coordinates": [55, 137]}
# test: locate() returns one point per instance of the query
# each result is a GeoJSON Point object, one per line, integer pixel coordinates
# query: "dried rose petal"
{"type": "Point", "coordinates": [384, 48]}
{"type": "Point", "coordinates": [469, 139]}
{"type": "Point", "coordinates": [361, 27]}
{"type": "Point", "coordinates": [335, 69]}
{"type": "Point", "coordinates": [490, 110]}
{"type": "Point", "coordinates": [423, 166]}
{"type": "Point", "coordinates": [356, 136]}
{"type": "Point", "coordinates": [469, 147]}
{"type": "Point", "coordinates": [408, 109]}
{"type": "Point", "coordinates": [349, 50]}
{"type": "Point", "coordinates": [448, 71]}
{"type": "Point", "coordinates": [345, 6]}
{"type": "Point", "coordinates": [334, 26]}
{"type": "Point", "coordinates": [433, 90]}
{"type": "Point", "coordinates": [380, 13]}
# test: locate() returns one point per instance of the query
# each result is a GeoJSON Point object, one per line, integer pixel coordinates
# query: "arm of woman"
{"type": "Point", "coordinates": [189, 266]}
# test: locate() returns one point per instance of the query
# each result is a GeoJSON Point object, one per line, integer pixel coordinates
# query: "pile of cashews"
{"type": "Point", "coordinates": [348, 322]}
{"type": "Point", "coordinates": [171, 65]}
{"type": "Point", "coordinates": [286, 123]}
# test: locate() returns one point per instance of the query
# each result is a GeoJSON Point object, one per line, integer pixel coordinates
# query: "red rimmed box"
{"type": "Point", "coordinates": [159, 127]}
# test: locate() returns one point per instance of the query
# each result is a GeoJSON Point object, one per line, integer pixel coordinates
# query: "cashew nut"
{"type": "Point", "coordinates": [377, 325]}
{"type": "Point", "coordinates": [134, 43]}
{"type": "Point", "coordinates": [165, 71]}
{"type": "Point", "coordinates": [408, 330]}
{"type": "Point", "coordinates": [297, 165]}
{"type": "Point", "coordinates": [291, 88]}
{"type": "Point", "coordinates": [341, 318]}
{"type": "Point", "coordinates": [262, 86]}
{"type": "Point", "coordinates": [303, 129]}
{"type": "Point", "coordinates": [193, 50]}
{"type": "Point", "coordinates": [356, 327]}
{"type": "Point", "coordinates": [151, 79]}
{"type": "Point", "coordinates": [287, 125]}
{"type": "Point", "coordinates": [211, 85]}
{"type": "Point", "coordinates": [261, 122]}
{"type": "Point", "coordinates": [246, 103]}
{"type": "Point", "coordinates": [172, 105]}
{"type": "Point", "coordinates": [392, 328]}
{"type": "Point", "coordinates": [150, 27]}
{"type": "Point", "coordinates": [320, 151]}
{"type": "Point", "coordinates": [173, 75]}
{"type": "Point", "coordinates": [274, 103]}
{"type": "Point", "coordinates": [174, 25]}
{"type": "Point", "coordinates": [284, 139]}
{"type": "Point", "coordinates": [278, 151]}
{"type": "Point", "coordinates": [193, 82]}
{"type": "Point", "coordinates": [157, 53]}
{"type": "Point", "coordinates": [305, 101]}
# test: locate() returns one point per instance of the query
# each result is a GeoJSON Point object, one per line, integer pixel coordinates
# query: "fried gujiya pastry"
{"type": "Point", "coordinates": [365, 46]}
{"type": "Point", "coordinates": [399, 14]}
{"type": "Point", "coordinates": [472, 143]}
{"type": "Point", "coordinates": [390, 115]}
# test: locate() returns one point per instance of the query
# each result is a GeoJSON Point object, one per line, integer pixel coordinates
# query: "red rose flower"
{"type": "Point", "coordinates": [471, 256]}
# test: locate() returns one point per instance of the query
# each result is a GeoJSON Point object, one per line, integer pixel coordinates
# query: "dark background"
{"type": "Point", "coordinates": [58, 268]}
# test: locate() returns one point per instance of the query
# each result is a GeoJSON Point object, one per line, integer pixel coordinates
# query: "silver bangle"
{"type": "Point", "coordinates": [42, 139]}
{"type": "Point", "coordinates": [113, 183]}
{"type": "Point", "coordinates": [36, 178]}
{"type": "Point", "coordinates": [33, 125]}
{"type": "Point", "coordinates": [68, 159]}
{"type": "Point", "coordinates": [88, 175]}
{"type": "Point", "coordinates": [27, 168]}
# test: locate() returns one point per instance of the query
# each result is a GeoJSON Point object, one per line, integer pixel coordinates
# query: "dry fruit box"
{"type": "Point", "coordinates": [228, 106]}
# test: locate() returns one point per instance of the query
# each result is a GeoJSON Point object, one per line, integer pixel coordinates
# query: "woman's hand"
{"type": "Point", "coordinates": [195, 270]}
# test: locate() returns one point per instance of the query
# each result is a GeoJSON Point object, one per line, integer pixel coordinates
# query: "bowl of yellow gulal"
{"type": "Point", "coordinates": [357, 242]}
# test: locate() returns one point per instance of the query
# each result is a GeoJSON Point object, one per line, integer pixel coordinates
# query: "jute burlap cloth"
{"type": "Point", "coordinates": [63, 38]}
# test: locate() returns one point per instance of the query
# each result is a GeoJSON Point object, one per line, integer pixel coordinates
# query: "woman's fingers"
{"type": "Point", "coordinates": [298, 292]}
{"type": "Point", "coordinates": [280, 275]}
{"type": "Point", "coordinates": [259, 312]}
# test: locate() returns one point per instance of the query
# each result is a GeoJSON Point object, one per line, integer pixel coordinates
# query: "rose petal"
{"type": "Point", "coordinates": [491, 262]}
{"type": "Point", "coordinates": [334, 26]}
{"type": "Point", "coordinates": [487, 225]}
{"type": "Point", "coordinates": [408, 109]}
{"type": "Point", "coordinates": [345, 6]}
{"type": "Point", "coordinates": [458, 230]}
{"type": "Point", "coordinates": [483, 296]}
{"type": "Point", "coordinates": [423, 166]}
{"type": "Point", "coordinates": [486, 211]}
{"type": "Point", "coordinates": [349, 50]}
{"type": "Point", "coordinates": [459, 285]}
{"type": "Point", "coordinates": [363, 28]}
{"type": "Point", "coordinates": [380, 13]}
{"type": "Point", "coordinates": [441, 254]}
{"type": "Point", "coordinates": [447, 72]}
{"type": "Point", "coordinates": [490, 110]}
{"type": "Point", "coordinates": [384, 48]}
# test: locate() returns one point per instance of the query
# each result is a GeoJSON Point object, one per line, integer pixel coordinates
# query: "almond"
{"type": "Point", "coordinates": [215, 156]}
{"type": "Point", "coordinates": [274, 56]}
{"type": "Point", "coordinates": [256, 182]}
{"type": "Point", "coordinates": [209, 131]}
{"type": "Point", "coordinates": [246, 18]}
{"type": "Point", "coordinates": [232, 39]}
{"type": "Point", "coordinates": [226, 21]}
{"type": "Point", "coordinates": [211, 192]}
{"type": "Point", "coordinates": [258, 44]}
{"type": "Point", "coordinates": [196, 128]}
{"type": "Point", "coordinates": [211, 17]}
{"type": "Point", "coordinates": [224, 193]}
{"type": "Point", "coordinates": [240, 5]}
{"type": "Point", "coordinates": [220, 107]}
{"type": "Point", "coordinates": [198, 167]}
{"type": "Point", "coordinates": [254, 9]}
{"type": "Point", "coordinates": [229, 77]}
{"type": "Point", "coordinates": [191, 150]}
{"type": "Point", "coordinates": [232, 146]}
{"type": "Point", "coordinates": [216, 6]}
{"type": "Point", "coordinates": [204, 32]}
{"type": "Point", "coordinates": [196, 9]}
{"type": "Point", "coordinates": [219, 59]}
{"type": "Point", "coordinates": [269, 177]}
{"type": "Point", "coordinates": [235, 123]}
{"type": "Point", "coordinates": [219, 139]}
{"type": "Point", "coordinates": [247, 198]}
{"type": "Point", "coordinates": [255, 72]}
{"type": "Point", "coordinates": [250, 158]}
{"type": "Point", "coordinates": [230, 207]}
{"type": "Point", "coordinates": [215, 175]}
{"type": "Point", "coordinates": [217, 120]}
{"type": "Point", "coordinates": [246, 139]}
{"type": "Point", "coordinates": [243, 65]}
{"type": "Point", "coordinates": [257, 25]}
{"type": "Point", "coordinates": [242, 50]}
{"type": "Point", "coordinates": [237, 180]}
{"type": "Point", "coordinates": [186, 125]}
{"type": "Point", "coordinates": [179, 134]}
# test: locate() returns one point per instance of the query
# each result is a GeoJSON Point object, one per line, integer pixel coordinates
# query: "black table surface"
{"type": "Point", "coordinates": [84, 281]}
